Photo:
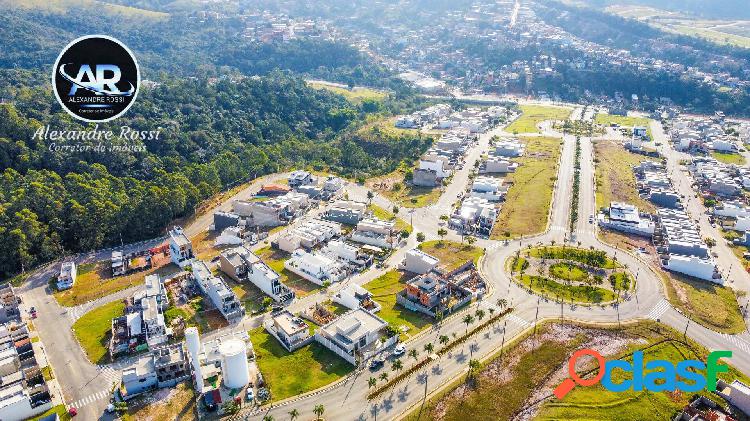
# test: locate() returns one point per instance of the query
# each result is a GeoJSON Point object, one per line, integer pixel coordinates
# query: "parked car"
{"type": "Point", "coordinates": [399, 350]}
{"type": "Point", "coordinates": [376, 363]}
{"type": "Point", "coordinates": [249, 395]}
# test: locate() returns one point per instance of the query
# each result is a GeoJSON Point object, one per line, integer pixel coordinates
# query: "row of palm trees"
{"type": "Point", "coordinates": [318, 410]}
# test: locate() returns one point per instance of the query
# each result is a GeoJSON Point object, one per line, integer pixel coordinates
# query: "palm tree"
{"type": "Point", "coordinates": [371, 382]}
{"type": "Point", "coordinates": [268, 418]}
{"type": "Point", "coordinates": [293, 414]}
{"type": "Point", "coordinates": [370, 196]}
{"type": "Point", "coordinates": [468, 319]}
{"type": "Point", "coordinates": [428, 348]}
{"type": "Point", "coordinates": [318, 411]}
{"type": "Point", "coordinates": [502, 302]}
{"type": "Point", "coordinates": [397, 365]}
{"type": "Point", "coordinates": [492, 311]}
{"type": "Point", "coordinates": [443, 339]}
{"type": "Point", "coordinates": [413, 353]}
{"type": "Point", "coordinates": [471, 240]}
{"type": "Point", "coordinates": [480, 314]}
{"type": "Point", "coordinates": [384, 376]}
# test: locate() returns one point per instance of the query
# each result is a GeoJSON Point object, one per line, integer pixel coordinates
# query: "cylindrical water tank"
{"type": "Point", "coordinates": [234, 367]}
{"type": "Point", "coordinates": [193, 340]}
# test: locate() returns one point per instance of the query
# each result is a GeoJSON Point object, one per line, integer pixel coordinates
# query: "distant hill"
{"type": "Point", "coordinates": [710, 9]}
{"type": "Point", "coordinates": [92, 7]}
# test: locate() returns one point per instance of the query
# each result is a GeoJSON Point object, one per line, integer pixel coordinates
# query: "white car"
{"type": "Point", "coordinates": [399, 350]}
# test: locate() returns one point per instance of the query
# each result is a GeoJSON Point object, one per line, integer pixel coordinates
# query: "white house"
{"type": "Point", "coordinates": [180, 248]}
{"type": "Point", "coordinates": [697, 267]}
{"type": "Point", "coordinates": [355, 332]}
{"type": "Point", "coordinates": [510, 148]}
{"type": "Point", "coordinates": [498, 165]}
{"type": "Point", "coordinates": [376, 225]}
{"type": "Point", "coordinates": [315, 267]}
{"type": "Point", "coordinates": [243, 265]}
{"type": "Point", "coordinates": [417, 261]}
{"type": "Point", "coordinates": [437, 164]}
{"type": "Point", "coordinates": [217, 291]}
{"type": "Point", "coordinates": [347, 253]}
{"type": "Point", "coordinates": [67, 277]}
{"type": "Point", "coordinates": [626, 218]}
{"type": "Point", "coordinates": [737, 393]}
{"type": "Point", "coordinates": [406, 122]}
{"type": "Point", "coordinates": [489, 188]}
{"type": "Point", "coordinates": [291, 331]}
{"type": "Point", "coordinates": [354, 296]}
{"type": "Point", "coordinates": [732, 210]}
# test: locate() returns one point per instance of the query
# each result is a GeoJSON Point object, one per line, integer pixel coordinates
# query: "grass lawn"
{"type": "Point", "coordinates": [451, 254]}
{"type": "Point", "coordinates": [729, 158]}
{"type": "Point", "coordinates": [289, 374]}
{"type": "Point", "coordinates": [595, 258]}
{"type": "Point", "coordinates": [568, 272]}
{"type": "Point", "coordinates": [387, 215]}
{"type": "Point", "coordinates": [505, 385]}
{"type": "Point", "coordinates": [355, 95]}
{"type": "Point", "coordinates": [93, 330]}
{"type": "Point", "coordinates": [535, 114]}
{"type": "Point", "coordinates": [60, 410]}
{"type": "Point", "coordinates": [708, 304]}
{"type": "Point", "coordinates": [203, 245]}
{"type": "Point", "coordinates": [623, 121]}
{"type": "Point", "coordinates": [526, 207]}
{"type": "Point", "coordinates": [585, 294]}
{"type": "Point", "coordinates": [712, 35]}
{"type": "Point", "coordinates": [384, 290]}
{"type": "Point", "coordinates": [615, 181]}
{"type": "Point", "coordinates": [275, 260]}
{"type": "Point", "coordinates": [94, 282]}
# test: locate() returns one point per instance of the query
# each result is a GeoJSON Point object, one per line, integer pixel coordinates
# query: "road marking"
{"type": "Point", "coordinates": [519, 321]}
{"type": "Point", "coordinates": [80, 403]}
{"type": "Point", "coordinates": [659, 309]}
{"type": "Point", "coordinates": [741, 343]}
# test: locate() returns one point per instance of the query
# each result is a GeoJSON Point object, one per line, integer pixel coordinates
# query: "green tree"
{"type": "Point", "coordinates": [318, 410]}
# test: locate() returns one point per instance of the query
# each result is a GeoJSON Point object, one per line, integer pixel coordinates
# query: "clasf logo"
{"type": "Point", "coordinates": [655, 376]}
{"type": "Point", "coordinates": [96, 78]}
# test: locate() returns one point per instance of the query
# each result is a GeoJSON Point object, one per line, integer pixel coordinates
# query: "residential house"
{"type": "Point", "coordinates": [24, 393]}
{"type": "Point", "coordinates": [300, 178]}
{"type": "Point", "coordinates": [355, 333]}
{"type": "Point", "coordinates": [180, 248]}
{"type": "Point", "coordinates": [217, 291]}
{"type": "Point", "coordinates": [354, 296]}
{"type": "Point", "coordinates": [9, 304]}
{"type": "Point", "coordinates": [346, 212]}
{"type": "Point", "coordinates": [242, 265]}
{"type": "Point", "coordinates": [417, 261]}
{"type": "Point", "coordinates": [489, 188]}
{"type": "Point", "coordinates": [315, 267]}
{"type": "Point", "coordinates": [626, 218]}
{"type": "Point", "coordinates": [162, 367]}
{"type": "Point", "coordinates": [291, 331]}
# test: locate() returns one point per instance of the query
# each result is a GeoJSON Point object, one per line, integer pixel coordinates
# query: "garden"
{"type": "Point", "coordinates": [570, 274]}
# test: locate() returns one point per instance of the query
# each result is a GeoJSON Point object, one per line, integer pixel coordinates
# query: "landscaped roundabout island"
{"type": "Point", "coordinates": [570, 274]}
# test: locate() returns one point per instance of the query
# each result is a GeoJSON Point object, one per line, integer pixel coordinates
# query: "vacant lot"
{"type": "Point", "coordinates": [708, 304]}
{"type": "Point", "coordinates": [289, 374]}
{"type": "Point", "coordinates": [384, 290]}
{"type": "Point", "coordinates": [275, 260]}
{"type": "Point", "coordinates": [535, 114]}
{"type": "Point", "coordinates": [387, 215]}
{"type": "Point", "coordinates": [729, 158]}
{"type": "Point", "coordinates": [174, 403]}
{"type": "Point", "coordinates": [93, 330]}
{"type": "Point", "coordinates": [396, 187]}
{"type": "Point", "coordinates": [94, 282]}
{"type": "Point", "coordinates": [451, 254]}
{"type": "Point", "coordinates": [615, 181]}
{"type": "Point", "coordinates": [526, 207]}
{"type": "Point", "coordinates": [624, 121]}
{"type": "Point", "coordinates": [533, 366]}
{"type": "Point", "coordinates": [355, 95]}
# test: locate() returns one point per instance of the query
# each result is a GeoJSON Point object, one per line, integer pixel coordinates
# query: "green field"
{"type": "Point", "coordinates": [623, 121]}
{"type": "Point", "coordinates": [615, 180]}
{"type": "Point", "coordinates": [708, 304]}
{"type": "Point", "coordinates": [289, 374]}
{"type": "Point", "coordinates": [584, 294]}
{"type": "Point", "coordinates": [528, 372]}
{"type": "Point", "coordinates": [527, 203]}
{"type": "Point", "coordinates": [712, 35]}
{"type": "Point", "coordinates": [384, 290]}
{"type": "Point", "coordinates": [397, 187]}
{"type": "Point", "coordinates": [595, 258]}
{"type": "Point", "coordinates": [729, 158]}
{"type": "Point", "coordinates": [568, 272]}
{"type": "Point", "coordinates": [355, 95]}
{"type": "Point", "coordinates": [451, 254]}
{"type": "Point", "coordinates": [387, 215]}
{"type": "Point", "coordinates": [535, 114]}
{"type": "Point", "coordinates": [93, 330]}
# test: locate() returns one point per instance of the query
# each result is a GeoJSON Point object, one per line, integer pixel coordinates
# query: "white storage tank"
{"type": "Point", "coordinates": [234, 366]}
{"type": "Point", "coordinates": [193, 340]}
